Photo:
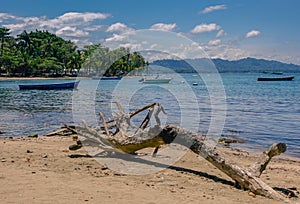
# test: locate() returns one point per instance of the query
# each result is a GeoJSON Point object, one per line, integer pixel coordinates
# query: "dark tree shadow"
{"type": "Point", "coordinates": [80, 156]}
{"type": "Point", "coordinates": [136, 158]}
{"type": "Point", "coordinates": [289, 193]}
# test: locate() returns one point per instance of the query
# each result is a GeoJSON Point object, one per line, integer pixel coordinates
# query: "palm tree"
{"type": "Point", "coordinates": [25, 41]}
{"type": "Point", "coordinates": [4, 35]}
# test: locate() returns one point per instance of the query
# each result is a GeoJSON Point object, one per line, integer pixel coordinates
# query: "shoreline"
{"type": "Point", "coordinates": [38, 78]}
{"type": "Point", "coordinates": [235, 147]}
{"type": "Point", "coordinates": [51, 78]}
{"type": "Point", "coordinates": [43, 170]}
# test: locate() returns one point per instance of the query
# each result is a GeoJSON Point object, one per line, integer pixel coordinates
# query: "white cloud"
{"type": "Point", "coordinates": [234, 50]}
{"type": "Point", "coordinates": [159, 45]}
{"type": "Point", "coordinates": [86, 17]}
{"type": "Point", "coordinates": [14, 27]}
{"type": "Point", "coordinates": [154, 46]}
{"type": "Point", "coordinates": [253, 33]}
{"type": "Point", "coordinates": [72, 19]}
{"type": "Point", "coordinates": [163, 26]}
{"type": "Point", "coordinates": [214, 42]}
{"type": "Point", "coordinates": [75, 19]}
{"type": "Point", "coordinates": [124, 39]}
{"type": "Point", "coordinates": [115, 38]}
{"type": "Point", "coordinates": [5, 16]}
{"type": "Point", "coordinates": [220, 33]}
{"type": "Point", "coordinates": [93, 28]}
{"type": "Point", "coordinates": [213, 8]}
{"type": "Point", "coordinates": [73, 26]}
{"type": "Point", "coordinates": [18, 24]}
{"type": "Point", "coordinates": [227, 50]}
{"type": "Point", "coordinates": [118, 28]}
{"type": "Point", "coordinates": [203, 28]}
{"type": "Point", "coordinates": [29, 20]}
{"type": "Point", "coordinates": [71, 32]}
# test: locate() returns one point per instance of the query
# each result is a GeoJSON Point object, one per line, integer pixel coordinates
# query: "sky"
{"type": "Point", "coordinates": [229, 29]}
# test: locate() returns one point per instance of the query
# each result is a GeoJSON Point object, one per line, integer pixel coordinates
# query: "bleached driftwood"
{"type": "Point", "coordinates": [120, 136]}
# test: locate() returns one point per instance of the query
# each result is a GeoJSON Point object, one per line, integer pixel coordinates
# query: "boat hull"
{"type": "Point", "coordinates": [289, 78]}
{"type": "Point", "coordinates": [67, 85]}
{"type": "Point", "coordinates": [156, 81]}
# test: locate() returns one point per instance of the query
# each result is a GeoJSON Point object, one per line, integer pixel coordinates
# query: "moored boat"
{"type": "Point", "coordinates": [156, 80]}
{"type": "Point", "coordinates": [271, 72]}
{"type": "Point", "coordinates": [287, 78]}
{"type": "Point", "coordinates": [65, 85]}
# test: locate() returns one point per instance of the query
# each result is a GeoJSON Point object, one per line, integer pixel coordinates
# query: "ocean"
{"type": "Point", "coordinates": [226, 105]}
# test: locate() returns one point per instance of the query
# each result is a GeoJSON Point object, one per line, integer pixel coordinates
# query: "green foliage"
{"type": "Point", "coordinates": [41, 53]}
{"type": "Point", "coordinates": [101, 61]}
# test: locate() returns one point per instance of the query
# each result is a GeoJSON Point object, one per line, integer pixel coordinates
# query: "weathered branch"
{"type": "Point", "coordinates": [276, 149]}
{"type": "Point", "coordinates": [126, 142]}
{"type": "Point", "coordinates": [133, 113]}
{"type": "Point", "coordinates": [120, 107]}
{"type": "Point", "coordinates": [104, 123]}
{"type": "Point", "coordinates": [147, 119]}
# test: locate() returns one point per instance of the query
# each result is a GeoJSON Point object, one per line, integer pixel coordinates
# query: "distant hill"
{"type": "Point", "coordinates": [241, 65]}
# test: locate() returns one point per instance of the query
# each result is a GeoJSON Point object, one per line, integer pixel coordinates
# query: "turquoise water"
{"type": "Point", "coordinates": [259, 112]}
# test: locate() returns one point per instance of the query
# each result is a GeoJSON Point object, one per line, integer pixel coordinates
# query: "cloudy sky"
{"type": "Point", "coordinates": [228, 29]}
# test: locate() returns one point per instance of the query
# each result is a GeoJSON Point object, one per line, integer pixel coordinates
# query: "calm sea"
{"type": "Point", "coordinates": [261, 113]}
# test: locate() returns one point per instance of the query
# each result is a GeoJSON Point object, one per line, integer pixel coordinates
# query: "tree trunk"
{"type": "Point", "coordinates": [123, 141]}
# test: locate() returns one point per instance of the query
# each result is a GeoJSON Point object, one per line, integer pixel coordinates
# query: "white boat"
{"type": "Point", "coordinates": [156, 80]}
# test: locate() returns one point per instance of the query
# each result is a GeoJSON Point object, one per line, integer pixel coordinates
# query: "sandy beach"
{"type": "Point", "coordinates": [43, 170]}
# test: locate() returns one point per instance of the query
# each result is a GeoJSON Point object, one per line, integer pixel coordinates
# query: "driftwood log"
{"type": "Point", "coordinates": [118, 135]}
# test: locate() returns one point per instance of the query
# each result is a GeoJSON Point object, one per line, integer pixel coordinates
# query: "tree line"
{"type": "Point", "coordinates": [41, 53]}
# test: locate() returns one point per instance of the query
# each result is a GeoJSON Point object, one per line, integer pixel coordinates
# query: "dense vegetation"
{"type": "Point", "coordinates": [100, 60]}
{"type": "Point", "coordinates": [41, 53]}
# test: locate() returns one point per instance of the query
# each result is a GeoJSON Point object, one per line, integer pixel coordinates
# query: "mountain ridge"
{"type": "Point", "coordinates": [241, 65]}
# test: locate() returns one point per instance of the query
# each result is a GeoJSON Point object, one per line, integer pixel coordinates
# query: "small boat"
{"type": "Point", "coordinates": [270, 72]}
{"type": "Point", "coordinates": [277, 73]}
{"type": "Point", "coordinates": [66, 85]}
{"type": "Point", "coordinates": [195, 84]}
{"type": "Point", "coordinates": [107, 78]}
{"type": "Point", "coordinates": [156, 80]}
{"type": "Point", "coordinates": [287, 78]}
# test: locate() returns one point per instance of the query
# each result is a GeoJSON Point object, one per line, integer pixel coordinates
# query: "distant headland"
{"type": "Point", "coordinates": [241, 65]}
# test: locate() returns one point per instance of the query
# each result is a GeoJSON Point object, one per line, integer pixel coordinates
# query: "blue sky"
{"type": "Point", "coordinates": [228, 29]}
